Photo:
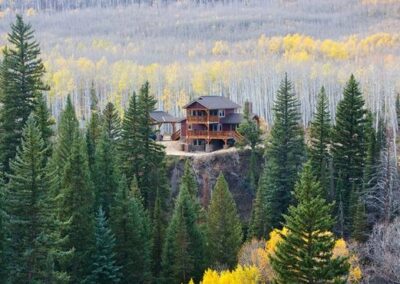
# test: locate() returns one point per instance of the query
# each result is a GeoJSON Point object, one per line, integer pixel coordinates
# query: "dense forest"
{"type": "Point", "coordinates": [238, 49]}
{"type": "Point", "coordinates": [89, 201]}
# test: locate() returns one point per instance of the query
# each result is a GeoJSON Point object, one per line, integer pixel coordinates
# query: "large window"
{"type": "Point", "coordinates": [216, 127]}
{"type": "Point", "coordinates": [214, 112]}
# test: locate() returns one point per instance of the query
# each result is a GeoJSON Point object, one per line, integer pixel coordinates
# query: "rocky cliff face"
{"type": "Point", "coordinates": [234, 166]}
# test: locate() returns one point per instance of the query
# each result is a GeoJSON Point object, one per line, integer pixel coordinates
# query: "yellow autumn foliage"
{"type": "Point", "coordinates": [31, 12]}
{"type": "Point", "coordinates": [334, 50]}
{"type": "Point", "coordinates": [174, 83]}
{"type": "Point", "coordinates": [220, 48]}
{"type": "Point", "coordinates": [253, 254]}
{"type": "Point", "coordinates": [341, 249]}
{"type": "Point", "coordinates": [241, 275]}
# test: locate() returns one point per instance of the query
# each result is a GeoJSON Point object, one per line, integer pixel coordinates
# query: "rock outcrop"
{"type": "Point", "coordinates": [233, 164]}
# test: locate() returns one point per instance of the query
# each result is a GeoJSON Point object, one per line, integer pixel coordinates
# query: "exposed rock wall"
{"type": "Point", "coordinates": [234, 166]}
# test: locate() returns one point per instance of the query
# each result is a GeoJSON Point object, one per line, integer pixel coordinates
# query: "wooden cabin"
{"type": "Point", "coordinates": [211, 123]}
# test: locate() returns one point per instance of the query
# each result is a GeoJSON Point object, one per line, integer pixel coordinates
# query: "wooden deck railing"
{"type": "Point", "coordinates": [212, 134]}
{"type": "Point", "coordinates": [203, 119]}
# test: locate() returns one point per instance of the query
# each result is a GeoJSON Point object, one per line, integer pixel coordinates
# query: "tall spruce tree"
{"type": "Point", "coordinates": [111, 122]}
{"type": "Point", "coordinates": [94, 129]}
{"type": "Point", "coordinates": [348, 148]}
{"type": "Point", "coordinates": [106, 173]}
{"type": "Point", "coordinates": [260, 225]}
{"type": "Point", "coordinates": [21, 73]}
{"type": "Point", "coordinates": [141, 156]}
{"type": "Point", "coordinates": [251, 133]}
{"type": "Point", "coordinates": [67, 128]}
{"type": "Point", "coordinates": [360, 225]}
{"type": "Point", "coordinates": [374, 141]}
{"type": "Point", "coordinates": [33, 227]}
{"type": "Point", "coordinates": [104, 269]}
{"type": "Point", "coordinates": [77, 208]}
{"type": "Point", "coordinates": [285, 152]}
{"type": "Point", "coordinates": [130, 144]}
{"type": "Point", "coordinates": [158, 233]}
{"type": "Point", "coordinates": [131, 226]}
{"type": "Point", "coordinates": [320, 141]}
{"type": "Point", "coordinates": [3, 260]}
{"type": "Point", "coordinates": [189, 181]}
{"type": "Point", "coordinates": [66, 133]}
{"type": "Point", "coordinates": [183, 253]}
{"type": "Point", "coordinates": [45, 123]}
{"type": "Point", "coordinates": [224, 230]}
{"type": "Point", "coordinates": [305, 254]}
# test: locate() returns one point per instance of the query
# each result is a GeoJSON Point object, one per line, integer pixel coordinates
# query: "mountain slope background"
{"type": "Point", "coordinates": [237, 49]}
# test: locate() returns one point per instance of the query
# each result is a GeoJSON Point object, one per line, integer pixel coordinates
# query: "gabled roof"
{"type": "Point", "coordinates": [235, 118]}
{"type": "Point", "coordinates": [214, 102]}
{"type": "Point", "coordinates": [232, 118]}
{"type": "Point", "coordinates": [162, 116]}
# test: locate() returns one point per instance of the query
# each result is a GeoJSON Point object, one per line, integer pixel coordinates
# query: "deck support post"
{"type": "Point", "coordinates": [173, 127]}
{"type": "Point", "coordinates": [208, 147]}
{"type": "Point", "coordinates": [225, 144]}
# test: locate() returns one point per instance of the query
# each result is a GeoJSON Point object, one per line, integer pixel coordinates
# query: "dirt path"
{"type": "Point", "coordinates": [171, 149]}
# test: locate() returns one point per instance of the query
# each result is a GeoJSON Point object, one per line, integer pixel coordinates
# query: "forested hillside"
{"type": "Point", "coordinates": [85, 195]}
{"type": "Point", "coordinates": [238, 49]}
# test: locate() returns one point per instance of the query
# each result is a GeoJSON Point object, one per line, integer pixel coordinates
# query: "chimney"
{"type": "Point", "coordinates": [248, 105]}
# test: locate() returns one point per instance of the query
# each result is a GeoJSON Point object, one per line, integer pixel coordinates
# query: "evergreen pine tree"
{"type": "Point", "coordinates": [21, 73]}
{"type": "Point", "coordinates": [94, 129]}
{"type": "Point", "coordinates": [224, 230]}
{"type": "Point", "coordinates": [33, 226]}
{"type": "Point", "coordinates": [158, 233]}
{"type": "Point", "coordinates": [104, 269]}
{"type": "Point", "coordinates": [374, 141]}
{"type": "Point", "coordinates": [320, 140]}
{"type": "Point", "coordinates": [141, 156]}
{"type": "Point", "coordinates": [151, 178]}
{"type": "Point", "coordinates": [66, 133]}
{"type": "Point", "coordinates": [348, 148]}
{"type": "Point", "coordinates": [111, 122]}
{"type": "Point", "coordinates": [284, 152]}
{"type": "Point", "coordinates": [305, 254]}
{"type": "Point", "coordinates": [45, 123]}
{"type": "Point", "coordinates": [131, 226]}
{"type": "Point", "coordinates": [260, 225]}
{"type": "Point", "coordinates": [77, 208]}
{"type": "Point", "coordinates": [106, 174]}
{"type": "Point", "coordinates": [130, 144]}
{"type": "Point", "coordinates": [360, 225]}
{"type": "Point", "coordinates": [183, 252]}
{"type": "Point", "coordinates": [189, 181]}
{"type": "Point", "coordinates": [251, 133]}
{"type": "Point", "coordinates": [3, 260]}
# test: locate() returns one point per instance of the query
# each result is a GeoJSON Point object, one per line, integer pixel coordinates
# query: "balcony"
{"type": "Point", "coordinates": [203, 119]}
{"type": "Point", "coordinates": [204, 134]}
